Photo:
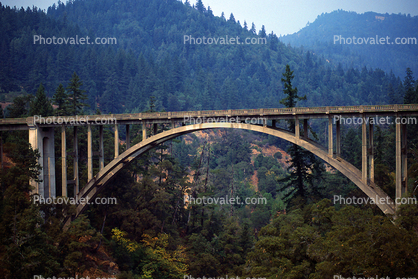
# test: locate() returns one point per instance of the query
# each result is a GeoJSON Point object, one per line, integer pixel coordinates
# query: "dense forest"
{"type": "Point", "coordinates": [318, 37]}
{"type": "Point", "coordinates": [152, 231]}
{"type": "Point", "coordinates": [150, 59]}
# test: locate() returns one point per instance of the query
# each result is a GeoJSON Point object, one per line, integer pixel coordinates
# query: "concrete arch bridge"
{"type": "Point", "coordinates": [41, 136]}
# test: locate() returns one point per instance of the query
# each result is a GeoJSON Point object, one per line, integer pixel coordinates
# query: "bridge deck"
{"type": "Point", "coordinates": [215, 115]}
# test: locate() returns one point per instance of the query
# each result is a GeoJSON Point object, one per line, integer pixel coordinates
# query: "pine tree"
{"type": "Point", "coordinates": [411, 96]}
{"type": "Point", "coordinates": [75, 95]}
{"type": "Point", "coordinates": [292, 93]}
{"type": "Point", "coordinates": [41, 105]}
{"type": "Point", "coordinates": [304, 168]}
{"type": "Point", "coordinates": [262, 32]}
{"type": "Point", "coordinates": [210, 12]}
{"type": "Point", "coordinates": [253, 30]}
{"type": "Point", "coordinates": [231, 18]}
{"type": "Point", "coordinates": [60, 99]}
{"type": "Point", "coordinates": [200, 7]}
{"type": "Point", "coordinates": [391, 94]}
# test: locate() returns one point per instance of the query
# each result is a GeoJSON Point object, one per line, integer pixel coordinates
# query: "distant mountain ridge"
{"type": "Point", "coordinates": [319, 37]}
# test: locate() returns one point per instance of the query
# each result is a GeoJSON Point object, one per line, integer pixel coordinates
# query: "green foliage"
{"type": "Point", "coordinates": [75, 95]}
{"type": "Point", "coordinates": [155, 261]}
{"type": "Point", "coordinates": [151, 69]}
{"type": "Point", "coordinates": [20, 107]}
{"type": "Point", "coordinates": [41, 105]}
{"type": "Point", "coordinates": [304, 169]}
{"type": "Point", "coordinates": [76, 242]}
{"type": "Point", "coordinates": [25, 248]}
{"type": "Point", "coordinates": [320, 242]}
{"type": "Point", "coordinates": [292, 97]}
{"type": "Point", "coordinates": [60, 99]}
{"type": "Point", "coordinates": [150, 59]}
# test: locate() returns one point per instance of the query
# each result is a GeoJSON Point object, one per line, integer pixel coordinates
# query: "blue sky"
{"type": "Point", "coordinates": [280, 16]}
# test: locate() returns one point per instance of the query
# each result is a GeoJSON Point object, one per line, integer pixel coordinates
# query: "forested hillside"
{"type": "Point", "coordinates": [150, 59]}
{"type": "Point", "coordinates": [154, 230]}
{"type": "Point", "coordinates": [318, 37]}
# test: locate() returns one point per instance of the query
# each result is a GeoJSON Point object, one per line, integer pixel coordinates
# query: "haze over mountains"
{"type": "Point", "coordinates": [319, 37]}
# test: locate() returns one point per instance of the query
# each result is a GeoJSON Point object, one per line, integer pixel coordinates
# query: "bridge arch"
{"type": "Point", "coordinates": [101, 179]}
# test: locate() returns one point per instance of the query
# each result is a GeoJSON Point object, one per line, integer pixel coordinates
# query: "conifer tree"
{"type": "Point", "coordinates": [411, 96]}
{"type": "Point", "coordinates": [60, 99]}
{"type": "Point", "coordinates": [262, 32]}
{"type": "Point", "coordinates": [76, 95]}
{"type": "Point", "coordinates": [200, 7]}
{"type": "Point", "coordinates": [231, 18]}
{"type": "Point", "coordinates": [41, 105]}
{"type": "Point", "coordinates": [253, 30]}
{"type": "Point", "coordinates": [304, 167]}
{"type": "Point", "coordinates": [245, 25]}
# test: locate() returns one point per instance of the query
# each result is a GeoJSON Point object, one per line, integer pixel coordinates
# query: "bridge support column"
{"type": "Point", "coordinates": [338, 138]}
{"type": "Point", "coordinates": [330, 139]}
{"type": "Point", "coordinates": [273, 123]}
{"type": "Point", "coordinates": [401, 160]}
{"type": "Point", "coordinates": [297, 130]}
{"type": "Point", "coordinates": [154, 129]}
{"type": "Point", "coordinates": [128, 139]}
{"type": "Point", "coordinates": [144, 131]}
{"type": "Point", "coordinates": [404, 158]}
{"type": "Point", "coordinates": [363, 150]}
{"type": "Point", "coordinates": [89, 153]}
{"type": "Point", "coordinates": [371, 153]}
{"type": "Point", "coordinates": [76, 176]}
{"type": "Point", "coordinates": [305, 128]}
{"type": "Point", "coordinates": [43, 140]}
{"type": "Point", "coordinates": [101, 149]}
{"type": "Point", "coordinates": [64, 162]}
{"type": "Point", "coordinates": [116, 141]}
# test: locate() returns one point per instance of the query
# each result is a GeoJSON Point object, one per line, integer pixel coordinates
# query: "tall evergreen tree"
{"type": "Point", "coordinates": [411, 96]}
{"type": "Point", "coordinates": [41, 105]}
{"type": "Point", "coordinates": [231, 18]}
{"type": "Point", "coordinates": [60, 99]}
{"type": "Point", "coordinates": [262, 32]}
{"type": "Point", "coordinates": [200, 7]}
{"type": "Point", "coordinates": [292, 92]}
{"type": "Point", "coordinates": [253, 30]}
{"type": "Point", "coordinates": [304, 168]}
{"type": "Point", "coordinates": [76, 95]}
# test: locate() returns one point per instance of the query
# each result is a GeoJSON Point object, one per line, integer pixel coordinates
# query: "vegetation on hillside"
{"type": "Point", "coordinates": [155, 231]}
